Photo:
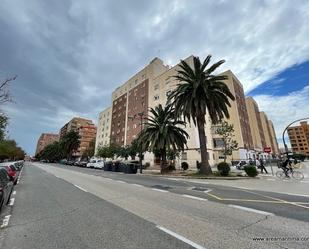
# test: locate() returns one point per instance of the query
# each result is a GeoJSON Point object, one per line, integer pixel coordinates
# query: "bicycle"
{"type": "Point", "coordinates": [297, 175]}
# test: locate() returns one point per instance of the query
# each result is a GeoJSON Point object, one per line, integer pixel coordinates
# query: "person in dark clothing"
{"type": "Point", "coordinates": [287, 166]}
{"type": "Point", "coordinates": [262, 166]}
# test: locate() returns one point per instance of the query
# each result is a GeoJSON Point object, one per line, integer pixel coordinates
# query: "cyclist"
{"type": "Point", "coordinates": [287, 166]}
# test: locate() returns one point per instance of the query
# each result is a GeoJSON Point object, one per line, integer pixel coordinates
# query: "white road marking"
{"type": "Point", "coordinates": [120, 181]}
{"type": "Point", "coordinates": [12, 200]}
{"type": "Point", "coordinates": [304, 181]}
{"type": "Point", "coordinates": [137, 185]}
{"type": "Point", "coordinates": [271, 179]}
{"type": "Point", "coordinates": [251, 210]}
{"type": "Point", "coordinates": [207, 191]}
{"type": "Point", "coordinates": [160, 190]}
{"type": "Point", "coordinates": [80, 188]}
{"type": "Point", "coordinates": [106, 178]}
{"type": "Point", "coordinates": [286, 180]}
{"type": "Point", "coordinates": [6, 220]}
{"type": "Point", "coordinates": [187, 241]}
{"type": "Point", "coordinates": [17, 181]}
{"type": "Point", "coordinates": [194, 197]}
{"type": "Point", "coordinates": [14, 192]}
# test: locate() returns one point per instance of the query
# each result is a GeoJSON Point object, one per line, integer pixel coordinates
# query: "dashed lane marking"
{"type": "Point", "coordinates": [12, 200]}
{"type": "Point", "coordinates": [137, 185]}
{"type": "Point", "coordinates": [14, 192]}
{"type": "Point", "coordinates": [194, 197]}
{"type": "Point", "coordinates": [178, 236]}
{"type": "Point", "coordinates": [120, 181]}
{"type": "Point", "coordinates": [6, 220]}
{"type": "Point", "coordinates": [80, 188]}
{"type": "Point", "coordinates": [252, 210]}
{"type": "Point", "coordinates": [160, 190]}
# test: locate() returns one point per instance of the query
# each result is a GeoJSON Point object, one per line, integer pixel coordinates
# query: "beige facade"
{"type": "Point", "coordinates": [299, 138]}
{"type": "Point", "coordinates": [255, 124]}
{"type": "Point", "coordinates": [274, 144]}
{"type": "Point", "coordinates": [104, 128]}
{"type": "Point", "coordinates": [266, 130]}
{"type": "Point", "coordinates": [240, 121]}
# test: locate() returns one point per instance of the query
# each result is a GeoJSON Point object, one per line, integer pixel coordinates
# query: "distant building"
{"type": "Point", "coordinates": [85, 128]}
{"type": "Point", "coordinates": [299, 138]}
{"type": "Point", "coordinates": [104, 128]}
{"type": "Point", "coordinates": [44, 140]}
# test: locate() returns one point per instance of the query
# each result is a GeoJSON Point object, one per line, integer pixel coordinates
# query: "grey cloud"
{"type": "Point", "coordinates": [70, 55]}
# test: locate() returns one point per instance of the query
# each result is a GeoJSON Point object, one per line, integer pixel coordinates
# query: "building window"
{"type": "Point", "coordinates": [156, 97]}
{"type": "Point", "coordinates": [136, 81]}
{"type": "Point", "coordinates": [156, 86]}
{"type": "Point", "coordinates": [184, 156]}
{"type": "Point", "coordinates": [168, 93]}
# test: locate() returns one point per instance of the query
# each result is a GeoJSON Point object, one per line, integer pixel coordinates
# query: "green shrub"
{"type": "Point", "coordinates": [184, 166]}
{"type": "Point", "coordinates": [171, 167]}
{"type": "Point", "coordinates": [224, 168]}
{"type": "Point", "coordinates": [251, 171]}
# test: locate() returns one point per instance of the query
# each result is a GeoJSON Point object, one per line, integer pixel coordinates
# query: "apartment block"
{"type": "Point", "coordinates": [44, 140]}
{"type": "Point", "coordinates": [274, 144]}
{"type": "Point", "coordinates": [153, 84]}
{"type": "Point", "coordinates": [256, 127]}
{"type": "Point", "coordinates": [104, 128]}
{"type": "Point", "coordinates": [266, 130]}
{"type": "Point", "coordinates": [85, 128]}
{"type": "Point", "coordinates": [239, 119]}
{"type": "Point", "coordinates": [299, 138]}
{"type": "Point", "coordinates": [129, 100]}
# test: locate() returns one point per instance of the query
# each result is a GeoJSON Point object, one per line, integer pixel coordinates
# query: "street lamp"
{"type": "Point", "coordinates": [285, 146]}
{"type": "Point", "coordinates": [140, 115]}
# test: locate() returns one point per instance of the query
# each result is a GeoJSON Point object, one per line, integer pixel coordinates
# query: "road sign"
{"type": "Point", "coordinates": [267, 149]}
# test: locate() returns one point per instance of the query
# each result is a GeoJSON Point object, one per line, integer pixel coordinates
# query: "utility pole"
{"type": "Point", "coordinates": [140, 115]}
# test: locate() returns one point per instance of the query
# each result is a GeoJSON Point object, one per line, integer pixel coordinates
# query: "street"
{"type": "Point", "coordinates": [68, 207]}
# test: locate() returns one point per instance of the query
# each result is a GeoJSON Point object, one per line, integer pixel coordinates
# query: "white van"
{"type": "Point", "coordinates": [96, 163]}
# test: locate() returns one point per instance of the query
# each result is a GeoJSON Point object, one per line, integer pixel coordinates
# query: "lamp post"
{"type": "Point", "coordinates": [140, 115]}
{"type": "Point", "coordinates": [285, 146]}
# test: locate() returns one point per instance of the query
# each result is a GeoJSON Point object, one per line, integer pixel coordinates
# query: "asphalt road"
{"type": "Point", "coordinates": [289, 206]}
{"type": "Point", "coordinates": [51, 213]}
{"type": "Point", "coordinates": [68, 207]}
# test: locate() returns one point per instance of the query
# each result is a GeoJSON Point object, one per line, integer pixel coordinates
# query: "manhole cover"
{"type": "Point", "coordinates": [161, 187]}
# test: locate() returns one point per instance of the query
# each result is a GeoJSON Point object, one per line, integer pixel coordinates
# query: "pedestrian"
{"type": "Point", "coordinates": [257, 162]}
{"type": "Point", "coordinates": [262, 166]}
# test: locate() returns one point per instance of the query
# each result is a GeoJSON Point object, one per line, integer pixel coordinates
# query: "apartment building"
{"type": "Point", "coordinates": [239, 119]}
{"type": "Point", "coordinates": [44, 140]}
{"type": "Point", "coordinates": [256, 127]}
{"type": "Point", "coordinates": [275, 147]}
{"type": "Point", "coordinates": [104, 128]}
{"type": "Point", "coordinates": [299, 138]}
{"type": "Point", "coordinates": [130, 99]}
{"type": "Point", "coordinates": [152, 85]}
{"type": "Point", "coordinates": [266, 130]}
{"type": "Point", "coordinates": [86, 129]}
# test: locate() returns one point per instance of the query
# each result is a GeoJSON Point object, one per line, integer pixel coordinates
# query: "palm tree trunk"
{"type": "Point", "coordinates": [163, 161]}
{"type": "Point", "coordinates": [205, 167]}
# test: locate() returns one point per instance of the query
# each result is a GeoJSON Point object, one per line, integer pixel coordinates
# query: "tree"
{"type": "Point", "coordinates": [3, 123]}
{"type": "Point", "coordinates": [226, 131]}
{"type": "Point", "coordinates": [134, 148]}
{"type": "Point", "coordinates": [162, 133]}
{"type": "Point", "coordinates": [52, 152]}
{"type": "Point", "coordinates": [70, 143]}
{"type": "Point", "coordinates": [200, 91]}
{"type": "Point", "coordinates": [106, 151]}
{"type": "Point", "coordinates": [10, 150]}
{"type": "Point", "coordinates": [89, 152]}
{"type": "Point", "coordinates": [5, 95]}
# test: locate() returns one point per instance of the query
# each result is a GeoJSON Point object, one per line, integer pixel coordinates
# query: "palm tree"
{"type": "Point", "coordinates": [200, 91]}
{"type": "Point", "coordinates": [162, 132]}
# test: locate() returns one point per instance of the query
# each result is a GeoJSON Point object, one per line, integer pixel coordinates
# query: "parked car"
{"type": "Point", "coordinates": [12, 172]}
{"type": "Point", "coordinates": [241, 165]}
{"type": "Point", "coordinates": [81, 163]}
{"type": "Point", "coordinates": [96, 163]}
{"type": "Point", "coordinates": [6, 187]}
{"type": "Point", "coordinates": [70, 162]}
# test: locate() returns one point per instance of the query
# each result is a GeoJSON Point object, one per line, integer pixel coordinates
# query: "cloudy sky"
{"type": "Point", "coordinates": [70, 55]}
